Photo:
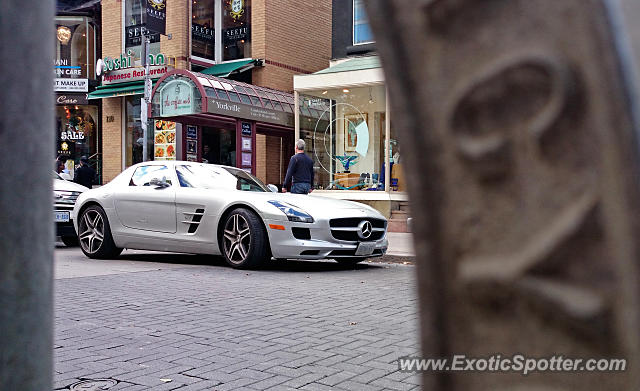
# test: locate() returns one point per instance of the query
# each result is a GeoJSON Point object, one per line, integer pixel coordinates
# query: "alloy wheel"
{"type": "Point", "coordinates": [237, 239]}
{"type": "Point", "coordinates": [91, 229]}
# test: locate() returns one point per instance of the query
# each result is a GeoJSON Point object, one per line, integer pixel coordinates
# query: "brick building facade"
{"type": "Point", "coordinates": [285, 40]}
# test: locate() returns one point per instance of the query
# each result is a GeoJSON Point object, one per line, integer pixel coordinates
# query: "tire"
{"type": "Point", "coordinates": [94, 234]}
{"type": "Point", "coordinates": [244, 240]}
{"type": "Point", "coordinates": [350, 262]}
{"type": "Point", "coordinates": [70, 241]}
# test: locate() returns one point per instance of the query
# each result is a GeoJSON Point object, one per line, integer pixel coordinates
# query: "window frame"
{"type": "Point", "coordinates": [353, 24]}
{"type": "Point", "coordinates": [218, 48]}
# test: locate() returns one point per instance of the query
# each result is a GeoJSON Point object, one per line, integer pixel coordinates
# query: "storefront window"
{"type": "Point", "coordinates": [236, 33]}
{"type": "Point", "coordinates": [74, 48]}
{"type": "Point", "coordinates": [225, 38]}
{"type": "Point", "coordinates": [345, 129]}
{"type": "Point", "coordinates": [134, 28]}
{"type": "Point", "coordinates": [134, 135]}
{"type": "Point", "coordinates": [202, 29]}
{"type": "Point", "coordinates": [77, 133]}
{"type": "Point", "coordinates": [361, 30]}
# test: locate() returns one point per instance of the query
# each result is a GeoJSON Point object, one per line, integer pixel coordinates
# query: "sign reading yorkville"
{"type": "Point", "coordinates": [176, 98]}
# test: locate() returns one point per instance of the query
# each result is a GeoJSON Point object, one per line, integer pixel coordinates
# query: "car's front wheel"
{"type": "Point", "coordinates": [95, 234]}
{"type": "Point", "coordinates": [244, 240]}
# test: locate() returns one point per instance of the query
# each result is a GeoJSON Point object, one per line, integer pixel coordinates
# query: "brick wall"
{"type": "Point", "coordinates": [292, 40]}
{"type": "Point", "coordinates": [111, 107]}
{"type": "Point", "coordinates": [111, 138]}
{"type": "Point", "coordinates": [179, 28]}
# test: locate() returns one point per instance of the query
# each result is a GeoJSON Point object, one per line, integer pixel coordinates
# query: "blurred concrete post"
{"type": "Point", "coordinates": [26, 200]}
{"type": "Point", "coordinates": [519, 122]}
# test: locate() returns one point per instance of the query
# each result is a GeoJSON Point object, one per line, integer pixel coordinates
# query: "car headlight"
{"type": "Point", "coordinates": [65, 197]}
{"type": "Point", "coordinates": [293, 213]}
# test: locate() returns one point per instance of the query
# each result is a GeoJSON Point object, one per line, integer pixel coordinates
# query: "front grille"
{"type": "Point", "coordinates": [347, 229]}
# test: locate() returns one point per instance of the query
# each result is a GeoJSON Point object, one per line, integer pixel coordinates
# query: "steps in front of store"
{"type": "Point", "coordinates": [398, 220]}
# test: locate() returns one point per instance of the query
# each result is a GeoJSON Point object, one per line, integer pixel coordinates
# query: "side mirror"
{"type": "Point", "coordinates": [159, 183]}
{"type": "Point", "coordinates": [273, 188]}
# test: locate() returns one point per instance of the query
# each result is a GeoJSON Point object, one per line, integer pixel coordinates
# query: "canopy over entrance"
{"type": "Point", "coordinates": [181, 92]}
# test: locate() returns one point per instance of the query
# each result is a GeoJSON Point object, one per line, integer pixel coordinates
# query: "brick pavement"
{"type": "Point", "coordinates": [297, 325]}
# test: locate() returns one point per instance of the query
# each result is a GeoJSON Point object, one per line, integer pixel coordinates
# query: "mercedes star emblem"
{"type": "Point", "coordinates": [365, 229]}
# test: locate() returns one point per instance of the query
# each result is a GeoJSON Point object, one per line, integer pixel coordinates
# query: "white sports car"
{"type": "Point", "coordinates": [199, 208]}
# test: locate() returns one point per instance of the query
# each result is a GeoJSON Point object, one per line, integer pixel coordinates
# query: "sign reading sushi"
{"type": "Point", "coordinates": [176, 98]}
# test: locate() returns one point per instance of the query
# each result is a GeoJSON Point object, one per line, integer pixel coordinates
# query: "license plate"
{"type": "Point", "coordinates": [61, 217]}
{"type": "Point", "coordinates": [365, 248]}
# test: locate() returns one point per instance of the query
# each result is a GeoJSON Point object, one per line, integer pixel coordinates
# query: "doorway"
{"type": "Point", "coordinates": [219, 145]}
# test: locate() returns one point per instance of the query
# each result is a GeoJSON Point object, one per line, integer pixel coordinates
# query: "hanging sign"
{"type": "Point", "coordinates": [156, 16]}
{"type": "Point", "coordinates": [176, 98]}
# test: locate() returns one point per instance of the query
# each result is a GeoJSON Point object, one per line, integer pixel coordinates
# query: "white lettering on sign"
{"type": "Point", "coordinates": [81, 85]}
{"type": "Point", "coordinates": [226, 106]}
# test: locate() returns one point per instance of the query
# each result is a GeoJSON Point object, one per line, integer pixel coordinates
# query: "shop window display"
{"type": "Point", "coordinates": [77, 134]}
{"type": "Point", "coordinates": [346, 130]}
{"type": "Point", "coordinates": [134, 135]}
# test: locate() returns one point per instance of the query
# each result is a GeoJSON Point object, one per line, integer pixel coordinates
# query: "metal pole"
{"type": "Point", "coordinates": [144, 117]}
{"type": "Point", "coordinates": [26, 199]}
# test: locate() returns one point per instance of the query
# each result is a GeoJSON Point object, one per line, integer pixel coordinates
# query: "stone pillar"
{"type": "Point", "coordinates": [519, 129]}
{"type": "Point", "coordinates": [26, 196]}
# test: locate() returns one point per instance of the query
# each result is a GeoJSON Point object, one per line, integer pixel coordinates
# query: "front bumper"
{"type": "Point", "coordinates": [320, 245]}
{"type": "Point", "coordinates": [65, 228]}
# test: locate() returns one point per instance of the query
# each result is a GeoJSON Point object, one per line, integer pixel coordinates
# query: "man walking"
{"type": "Point", "coordinates": [84, 174]}
{"type": "Point", "coordinates": [300, 172]}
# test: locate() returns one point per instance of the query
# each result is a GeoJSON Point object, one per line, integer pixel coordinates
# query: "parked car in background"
{"type": "Point", "coordinates": [210, 209]}
{"type": "Point", "coordinates": [65, 194]}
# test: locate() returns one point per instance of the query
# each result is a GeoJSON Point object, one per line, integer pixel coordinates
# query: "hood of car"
{"type": "Point", "coordinates": [62, 185]}
{"type": "Point", "coordinates": [327, 206]}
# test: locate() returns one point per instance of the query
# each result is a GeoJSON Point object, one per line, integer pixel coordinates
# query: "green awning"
{"type": "Point", "coordinates": [120, 89]}
{"type": "Point", "coordinates": [227, 68]}
{"type": "Point", "coordinates": [355, 64]}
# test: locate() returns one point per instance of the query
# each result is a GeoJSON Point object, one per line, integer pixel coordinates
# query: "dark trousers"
{"type": "Point", "coordinates": [300, 188]}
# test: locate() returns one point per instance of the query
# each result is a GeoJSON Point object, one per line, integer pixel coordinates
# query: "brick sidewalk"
{"type": "Point", "coordinates": [296, 325]}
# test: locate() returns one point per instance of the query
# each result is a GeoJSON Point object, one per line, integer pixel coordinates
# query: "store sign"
{"type": "Point", "coordinates": [72, 99]}
{"type": "Point", "coordinates": [135, 33]}
{"type": "Point", "coordinates": [156, 16]}
{"type": "Point", "coordinates": [176, 98]}
{"type": "Point", "coordinates": [237, 9]}
{"type": "Point", "coordinates": [240, 110]}
{"type": "Point", "coordinates": [246, 129]}
{"type": "Point", "coordinates": [202, 33]}
{"type": "Point", "coordinates": [235, 34]}
{"type": "Point", "coordinates": [108, 64]}
{"type": "Point", "coordinates": [134, 74]}
{"type": "Point", "coordinates": [79, 85]}
{"type": "Point", "coordinates": [61, 68]}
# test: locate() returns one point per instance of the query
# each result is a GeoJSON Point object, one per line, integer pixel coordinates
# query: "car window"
{"type": "Point", "coordinates": [211, 177]}
{"type": "Point", "coordinates": [246, 181]}
{"type": "Point", "coordinates": [144, 174]}
{"type": "Point", "coordinates": [198, 176]}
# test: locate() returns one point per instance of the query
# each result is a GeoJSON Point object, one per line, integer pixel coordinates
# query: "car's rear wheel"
{"type": "Point", "coordinates": [244, 241]}
{"type": "Point", "coordinates": [95, 234]}
{"type": "Point", "coordinates": [69, 241]}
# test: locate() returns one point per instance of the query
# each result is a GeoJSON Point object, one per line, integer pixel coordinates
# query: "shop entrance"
{"type": "Point", "coordinates": [219, 145]}
{"type": "Point", "coordinates": [273, 151]}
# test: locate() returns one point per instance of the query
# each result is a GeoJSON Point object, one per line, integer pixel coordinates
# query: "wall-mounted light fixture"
{"type": "Point", "coordinates": [64, 34]}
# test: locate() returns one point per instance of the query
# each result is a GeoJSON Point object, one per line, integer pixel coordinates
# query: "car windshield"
{"type": "Point", "coordinates": [56, 176]}
{"type": "Point", "coordinates": [212, 177]}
